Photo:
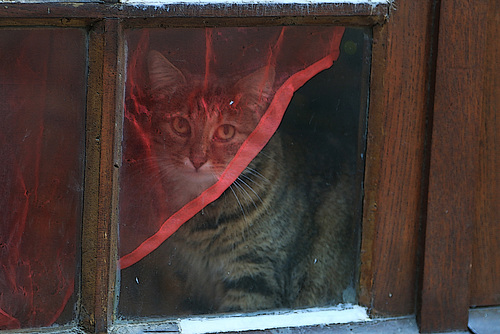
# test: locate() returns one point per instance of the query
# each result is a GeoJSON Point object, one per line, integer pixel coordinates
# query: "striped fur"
{"type": "Point", "coordinates": [282, 235]}
{"type": "Point", "coordinates": [278, 238]}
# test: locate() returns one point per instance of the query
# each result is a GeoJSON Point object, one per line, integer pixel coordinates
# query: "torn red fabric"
{"type": "Point", "coordinates": [42, 110]}
{"type": "Point", "coordinates": [260, 67]}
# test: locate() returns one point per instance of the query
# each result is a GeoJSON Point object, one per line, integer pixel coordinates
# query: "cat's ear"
{"type": "Point", "coordinates": [256, 88]}
{"type": "Point", "coordinates": [163, 75]}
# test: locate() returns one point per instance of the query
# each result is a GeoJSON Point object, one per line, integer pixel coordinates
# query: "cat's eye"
{"type": "Point", "coordinates": [181, 126]}
{"type": "Point", "coordinates": [225, 132]}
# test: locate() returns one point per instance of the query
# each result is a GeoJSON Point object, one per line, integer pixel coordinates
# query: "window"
{"type": "Point", "coordinates": [274, 223]}
{"type": "Point", "coordinates": [69, 90]}
{"type": "Point", "coordinates": [43, 84]}
{"type": "Point", "coordinates": [325, 108]}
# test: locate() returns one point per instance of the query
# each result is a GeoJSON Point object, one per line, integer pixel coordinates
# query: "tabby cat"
{"type": "Point", "coordinates": [281, 236]}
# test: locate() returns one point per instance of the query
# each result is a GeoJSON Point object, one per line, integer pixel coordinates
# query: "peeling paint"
{"type": "Point", "coordinates": [254, 2]}
{"type": "Point", "coordinates": [161, 3]}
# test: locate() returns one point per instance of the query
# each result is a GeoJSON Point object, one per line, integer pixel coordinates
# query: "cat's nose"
{"type": "Point", "coordinates": [198, 161]}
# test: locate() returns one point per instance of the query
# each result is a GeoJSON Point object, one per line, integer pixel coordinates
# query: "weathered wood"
{"type": "Point", "coordinates": [485, 275]}
{"type": "Point", "coordinates": [110, 10]}
{"type": "Point", "coordinates": [50, 22]}
{"type": "Point", "coordinates": [99, 251]}
{"type": "Point", "coordinates": [251, 21]}
{"type": "Point", "coordinates": [92, 179]}
{"type": "Point", "coordinates": [395, 159]}
{"type": "Point", "coordinates": [453, 166]}
{"type": "Point", "coordinates": [108, 197]}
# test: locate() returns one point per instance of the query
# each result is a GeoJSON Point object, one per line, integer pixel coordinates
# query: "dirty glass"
{"type": "Point", "coordinates": [42, 104]}
{"type": "Point", "coordinates": [240, 178]}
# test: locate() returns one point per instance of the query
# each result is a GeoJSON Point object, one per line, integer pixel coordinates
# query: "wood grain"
{"type": "Point", "coordinates": [92, 167]}
{"type": "Point", "coordinates": [99, 254]}
{"type": "Point", "coordinates": [107, 230]}
{"type": "Point", "coordinates": [485, 275]}
{"type": "Point", "coordinates": [110, 10]}
{"type": "Point", "coordinates": [453, 166]}
{"type": "Point", "coordinates": [395, 159]}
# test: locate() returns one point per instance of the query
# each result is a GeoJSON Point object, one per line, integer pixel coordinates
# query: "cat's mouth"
{"type": "Point", "coordinates": [204, 173]}
{"type": "Point", "coordinates": [190, 181]}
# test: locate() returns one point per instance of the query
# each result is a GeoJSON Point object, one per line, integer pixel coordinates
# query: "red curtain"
{"type": "Point", "coordinates": [289, 55]}
{"type": "Point", "coordinates": [42, 104]}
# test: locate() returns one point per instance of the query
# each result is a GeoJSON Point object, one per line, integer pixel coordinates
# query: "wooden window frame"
{"type": "Point", "coordinates": [406, 179]}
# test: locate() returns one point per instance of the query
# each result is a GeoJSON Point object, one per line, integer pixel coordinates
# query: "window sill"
{"type": "Point", "coordinates": [340, 314]}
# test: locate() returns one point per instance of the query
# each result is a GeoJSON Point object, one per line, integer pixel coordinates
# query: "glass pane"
{"type": "Point", "coordinates": [42, 105]}
{"type": "Point", "coordinates": [241, 177]}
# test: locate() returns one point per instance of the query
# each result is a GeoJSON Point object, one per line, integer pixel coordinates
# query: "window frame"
{"type": "Point", "coordinates": [112, 123]}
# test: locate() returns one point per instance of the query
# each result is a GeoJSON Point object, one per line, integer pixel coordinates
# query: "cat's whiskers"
{"type": "Point", "coordinates": [244, 192]}
{"type": "Point", "coordinates": [252, 190]}
{"type": "Point", "coordinates": [158, 170]}
{"type": "Point", "coordinates": [247, 222]}
{"type": "Point", "coordinates": [146, 167]}
{"type": "Point", "coordinates": [258, 184]}
{"type": "Point", "coordinates": [257, 174]}
{"type": "Point", "coordinates": [150, 163]}
{"type": "Point", "coordinates": [239, 203]}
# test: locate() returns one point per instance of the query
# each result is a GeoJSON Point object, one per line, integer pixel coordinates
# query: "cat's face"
{"type": "Point", "coordinates": [199, 126]}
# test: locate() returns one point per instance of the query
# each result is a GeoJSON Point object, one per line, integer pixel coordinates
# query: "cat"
{"type": "Point", "coordinates": [281, 236]}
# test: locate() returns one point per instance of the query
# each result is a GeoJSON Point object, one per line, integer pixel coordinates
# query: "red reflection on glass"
{"type": "Point", "coordinates": [42, 101]}
{"type": "Point", "coordinates": [178, 81]}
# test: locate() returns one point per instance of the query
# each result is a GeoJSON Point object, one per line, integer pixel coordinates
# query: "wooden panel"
{"type": "Point", "coordinates": [485, 276]}
{"type": "Point", "coordinates": [91, 192]}
{"type": "Point", "coordinates": [453, 166]}
{"type": "Point", "coordinates": [395, 159]}
{"type": "Point", "coordinates": [108, 197]}
{"type": "Point", "coordinates": [372, 13]}
{"type": "Point", "coordinates": [100, 229]}
{"type": "Point", "coordinates": [13, 22]}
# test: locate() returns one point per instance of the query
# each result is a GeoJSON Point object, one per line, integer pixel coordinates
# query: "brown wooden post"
{"type": "Point", "coordinates": [396, 158]}
{"type": "Point", "coordinates": [92, 167]}
{"type": "Point", "coordinates": [453, 166]}
{"type": "Point", "coordinates": [107, 231]}
{"type": "Point", "coordinates": [99, 232]}
{"type": "Point", "coordinates": [485, 276]}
